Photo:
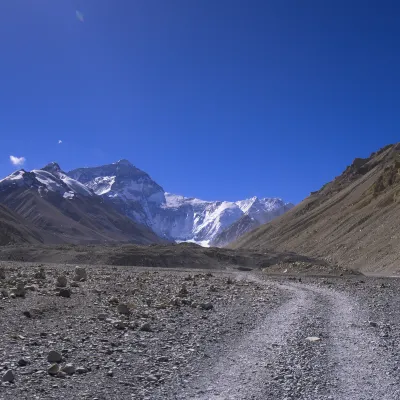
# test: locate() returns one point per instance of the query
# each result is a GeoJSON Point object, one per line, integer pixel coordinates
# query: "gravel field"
{"type": "Point", "coordinates": [102, 332]}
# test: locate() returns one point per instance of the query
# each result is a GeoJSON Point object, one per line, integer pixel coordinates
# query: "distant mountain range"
{"type": "Point", "coordinates": [171, 216]}
{"type": "Point", "coordinates": [120, 203]}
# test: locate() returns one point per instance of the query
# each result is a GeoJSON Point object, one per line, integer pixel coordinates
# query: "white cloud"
{"type": "Point", "coordinates": [60, 141]}
{"type": "Point", "coordinates": [17, 160]}
{"type": "Point", "coordinates": [80, 16]}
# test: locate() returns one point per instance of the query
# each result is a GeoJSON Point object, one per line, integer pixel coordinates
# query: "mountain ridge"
{"type": "Point", "coordinates": [66, 210]}
{"type": "Point", "coordinates": [174, 217]}
{"type": "Point", "coordinates": [120, 202]}
{"type": "Point", "coordinates": [350, 221]}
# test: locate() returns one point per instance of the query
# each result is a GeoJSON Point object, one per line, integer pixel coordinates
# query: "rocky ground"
{"type": "Point", "coordinates": [107, 332]}
{"type": "Point", "coordinates": [183, 255]}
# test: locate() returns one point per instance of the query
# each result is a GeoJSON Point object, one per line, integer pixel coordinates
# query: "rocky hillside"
{"type": "Point", "coordinates": [14, 230]}
{"type": "Point", "coordinates": [351, 221]}
{"type": "Point", "coordinates": [66, 211]}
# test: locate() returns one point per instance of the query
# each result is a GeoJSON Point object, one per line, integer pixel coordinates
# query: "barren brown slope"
{"type": "Point", "coordinates": [83, 220]}
{"type": "Point", "coordinates": [352, 221]}
{"type": "Point", "coordinates": [14, 230]}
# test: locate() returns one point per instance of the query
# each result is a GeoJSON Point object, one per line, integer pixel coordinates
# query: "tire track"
{"type": "Point", "coordinates": [275, 361]}
{"type": "Point", "coordinates": [245, 372]}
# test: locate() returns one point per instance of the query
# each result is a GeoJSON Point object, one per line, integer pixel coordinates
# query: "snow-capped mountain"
{"type": "Point", "coordinates": [63, 210]}
{"type": "Point", "coordinates": [48, 179]}
{"type": "Point", "coordinates": [131, 190]}
{"type": "Point", "coordinates": [182, 218]}
{"type": "Point", "coordinates": [173, 217]}
{"type": "Point", "coordinates": [259, 213]}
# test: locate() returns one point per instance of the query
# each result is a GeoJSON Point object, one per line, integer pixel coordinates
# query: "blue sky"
{"type": "Point", "coordinates": [215, 99]}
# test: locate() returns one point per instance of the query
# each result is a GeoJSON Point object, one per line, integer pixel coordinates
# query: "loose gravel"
{"type": "Point", "coordinates": [136, 333]}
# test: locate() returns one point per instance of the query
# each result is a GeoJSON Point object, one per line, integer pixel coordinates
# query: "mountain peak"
{"type": "Point", "coordinates": [124, 161]}
{"type": "Point", "coordinates": [52, 167]}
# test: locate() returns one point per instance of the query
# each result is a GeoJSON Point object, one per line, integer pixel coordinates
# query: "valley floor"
{"type": "Point", "coordinates": [199, 334]}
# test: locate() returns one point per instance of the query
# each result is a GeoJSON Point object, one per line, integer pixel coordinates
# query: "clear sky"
{"type": "Point", "coordinates": [218, 99]}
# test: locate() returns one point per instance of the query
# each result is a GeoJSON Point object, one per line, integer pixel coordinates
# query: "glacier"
{"type": "Point", "coordinates": [174, 217]}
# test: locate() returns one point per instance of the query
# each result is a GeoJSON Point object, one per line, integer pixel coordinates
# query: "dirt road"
{"type": "Point", "coordinates": [349, 359]}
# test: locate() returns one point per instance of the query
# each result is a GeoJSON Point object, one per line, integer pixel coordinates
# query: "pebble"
{"type": "Point", "coordinates": [81, 370]}
{"type": "Point", "coordinates": [206, 306]}
{"type": "Point", "coordinates": [69, 369]}
{"type": "Point", "coordinates": [41, 274]}
{"type": "Point", "coordinates": [119, 325]}
{"type": "Point", "coordinates": [313, 339]}
{"type": "Point", "coordinates": [8, 376]}
{"type": "Point", "coordinates": [18, 291]}
{"type": "Point", "coordinates": [123, 309]}
{"type": "Point", "coordinates": [80, 274]}
{"type": "Point", "coordinates": [53, 369]}
{"type": "Point", "coordinates": [54, 357]}
{"type": "Point", "coordinates": [22, 362]}
{"type": "Point", "coordinates": [61, 281]}
{"type": "Point", "coordinates": [146, 327]}
{"type": "Point", "coordinates": [65, 292]}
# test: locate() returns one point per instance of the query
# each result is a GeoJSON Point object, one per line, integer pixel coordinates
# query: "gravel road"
{"type": "Point", "coordinates": [319, 344]}
{"type": "Point", "coordinates": [136, 333]}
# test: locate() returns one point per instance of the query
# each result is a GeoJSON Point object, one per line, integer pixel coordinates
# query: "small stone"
{"type": "Point", "coordinates": [22, 362]}
{"type": "Point", "coordinates": [32, 288]}
{"type": "Point", "coordinates": [146, 327]}
{"type": "Point", "coordinates": [110, 373]}
{"type": "Point", "coordinates": [113, 300]}
{"type": "Point", "coordinates": [53, 370]}
{"type": "Point", "coordinates": [74, 284]}
{"type": "Point", "coordinates": [102, 317]}
{"type": "Point", "coordinates": [175, 301]}
{"type": "Point", "coordinates": [41, 274]}
{"type": "Point", "coordinates": [65, 292]}
{"type": "Point", "coordinates": [80, 274]}
{"type": "Point", "coordinates": [54, 357]}
{"type": "Point", "coordinates": [19, 291]}
{"type": "Point", "coordinates": [119, 325]}
{"type": "Point", "coordinates": [206, 306]}
{"type": "Point", "coordinates": [183, 292]}
{"type": "Point", "coordinates": [152, 378]}
{"type": "Point", "coordinates": [123, 309]}
{"type": "Point", "coordinates": [163, 359]}
{"type": "Point", "coordinates": [81, 370]}
{"type": "Point", "coordinates": [8, 376]}
{"type": "Point", "coordinates": [133, 325]}
{"type": "Point", "coordinates": [373, 324]}
{"type": "Point", "coordinates": [61, 281]}
{"type": "Point", "coordinates": [61, 375]}
{"type": "Point", "coordinates": [69, 369]}
{"type": "Point", "coordinates": [313, 339]}
{"type": "Point", "coordinates": [27, 314]}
